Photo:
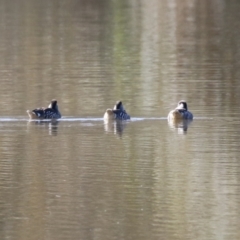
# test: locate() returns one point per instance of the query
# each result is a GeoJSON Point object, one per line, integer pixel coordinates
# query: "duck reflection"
{"type": "Point", "coordinates": [180, 125]}
{"type": "Point", "coordinates": [117, 126]}
{"type": "Point", "coordinates": [52, 126]}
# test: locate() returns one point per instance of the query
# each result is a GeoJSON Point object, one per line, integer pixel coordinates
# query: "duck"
{"type": "Point", "coordinates": [117, 113]}
{"type": "Point", "coordinates": [51, 112]}
{"type": "Point", "coordinates": [180, 112]}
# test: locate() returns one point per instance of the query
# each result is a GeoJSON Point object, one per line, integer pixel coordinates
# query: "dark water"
{"type": "Point", "coordinates": [80, 178]}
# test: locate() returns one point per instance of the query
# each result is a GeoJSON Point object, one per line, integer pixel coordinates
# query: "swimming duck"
{"type": "Point", "coordinates": [118, 112]}
{"type": "Point", "coordinates": [51, 112]}
{"type": "Point", "coordinates": [180, 112]}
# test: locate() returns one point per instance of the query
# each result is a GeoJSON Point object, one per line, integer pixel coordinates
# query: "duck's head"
{"type": "Point", "coordinates": [118, 106]}
{"type": "Point", "coordinates": [53, 104]}
{"type": "Point", "coordinates": [182, 105]}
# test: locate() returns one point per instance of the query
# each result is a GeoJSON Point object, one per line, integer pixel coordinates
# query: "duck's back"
{"type": "Point", "coordinates": [48, 113]}
{"type": "Point", "coordinates": [121, 115]}
{"type": "Point", "coordinates": [40, 113]}
{"type": "Point", "coordinates": [180, 114]}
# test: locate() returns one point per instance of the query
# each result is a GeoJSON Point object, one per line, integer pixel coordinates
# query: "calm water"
{"type": "Point", "coordinates": [79, 178]}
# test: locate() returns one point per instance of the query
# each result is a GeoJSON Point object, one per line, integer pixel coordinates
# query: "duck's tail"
{"type": "Point", "coordinates": [109, 115]}
{"type": "Point", "coordinates": [32, 115]}
{"type": "Point", "coordinates": [175, 115]}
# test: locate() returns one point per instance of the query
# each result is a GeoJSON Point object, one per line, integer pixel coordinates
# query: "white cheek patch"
{"type": "Point", "coordinates": [181, 105]}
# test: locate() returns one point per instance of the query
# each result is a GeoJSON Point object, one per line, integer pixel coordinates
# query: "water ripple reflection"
{"type": "Point", "coordinates": [78, 178]}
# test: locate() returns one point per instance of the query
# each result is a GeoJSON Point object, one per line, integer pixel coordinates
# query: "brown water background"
{"type": "Point", "coordinates": [79, 178]}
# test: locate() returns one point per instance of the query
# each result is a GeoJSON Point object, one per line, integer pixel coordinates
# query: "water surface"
{"type": "Point", "coordinates": [81, 178]}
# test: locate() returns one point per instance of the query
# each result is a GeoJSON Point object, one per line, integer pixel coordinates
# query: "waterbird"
{"type": "Point", "coordinates": [51, 112]}
{"type": "Point", "coordinates": [117, 113]}
{"type": "Point", "coordinates": [180, 112]}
